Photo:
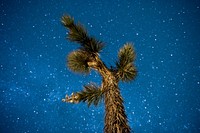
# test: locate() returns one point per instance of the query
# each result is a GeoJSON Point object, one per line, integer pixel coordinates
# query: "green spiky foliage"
{"type": "Point", "coordinates": [126, 70]}
{"type": "Point", "coordinates": [77, 61]}
{"type": "Point", "coordinates": [77, 33]}
{"type": "Point", "coordinates": [86, 58]}
{"type": "Point", "coordinates": [91, 94]}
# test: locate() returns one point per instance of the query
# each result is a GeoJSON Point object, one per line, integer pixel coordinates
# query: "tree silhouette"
{"type": "Point", "coordinates": [86, 58]}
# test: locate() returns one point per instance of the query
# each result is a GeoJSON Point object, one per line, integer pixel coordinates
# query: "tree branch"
{"type": "Point", "coordinates": [91, 94]}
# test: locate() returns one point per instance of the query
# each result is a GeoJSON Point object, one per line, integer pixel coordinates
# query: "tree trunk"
{"type": "Point", "coordinates": [115, 118]}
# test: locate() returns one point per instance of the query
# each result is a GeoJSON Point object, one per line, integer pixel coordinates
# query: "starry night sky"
{"type": "Point", "coordinates": [165, 97]}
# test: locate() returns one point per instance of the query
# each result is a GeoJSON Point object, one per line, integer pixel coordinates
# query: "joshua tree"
{"type": "Point", "coordinates": [86, 58]}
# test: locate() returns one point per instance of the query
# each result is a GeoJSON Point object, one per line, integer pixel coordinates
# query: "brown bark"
{"type": "Point", "coordinates": [115, 118]}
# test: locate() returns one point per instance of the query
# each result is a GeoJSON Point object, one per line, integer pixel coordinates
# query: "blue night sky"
{"type": "Point", "coordinates": [164, 98]}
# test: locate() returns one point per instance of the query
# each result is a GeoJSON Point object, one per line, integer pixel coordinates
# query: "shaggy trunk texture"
{"type": "Point", "coordinates": [115, 118]}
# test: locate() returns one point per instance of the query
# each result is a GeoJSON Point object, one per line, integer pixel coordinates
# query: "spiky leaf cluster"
{"type": "Point", "coordinates": [91, 94]}
{"type": "Point", "coordinates": [77, 61]}
{"type": "Point", "coordinates": [126, 69]}
{"type": "Point", "coordinates": [77, 33]}
{"type": "Point", "coordinates": [126, 54]}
